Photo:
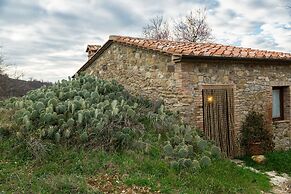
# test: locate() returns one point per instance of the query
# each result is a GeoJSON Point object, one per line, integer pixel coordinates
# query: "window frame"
{"type": "Point", "coordinates": [281, 93]}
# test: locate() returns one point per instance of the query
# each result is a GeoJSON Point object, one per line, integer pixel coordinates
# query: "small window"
{"type": "Point", "coordinates": [278, 103]}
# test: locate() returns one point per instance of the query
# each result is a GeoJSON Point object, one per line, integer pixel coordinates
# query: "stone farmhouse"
{"type": "Point", "coordinates": [213, 86]}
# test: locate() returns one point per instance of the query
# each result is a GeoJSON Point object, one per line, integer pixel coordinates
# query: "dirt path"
{"type": "Point", "coordinates": [281, 182]}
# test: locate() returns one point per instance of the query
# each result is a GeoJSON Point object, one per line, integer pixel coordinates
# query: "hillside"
{"type": "Point", "coordinates": [10, 87]}
{"type": "Point", "coordinates": [88, 135]}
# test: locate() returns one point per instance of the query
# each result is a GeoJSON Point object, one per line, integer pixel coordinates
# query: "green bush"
{"type": "Point", "coordinates": [254, 130]}
{"type": "Point", "coordinates": [186, 147]}
{"type": "Point", "coordinates": [87, 111]}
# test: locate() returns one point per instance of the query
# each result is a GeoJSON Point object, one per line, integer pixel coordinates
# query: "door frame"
{"type": "Point", "coordinates": [227, 87]}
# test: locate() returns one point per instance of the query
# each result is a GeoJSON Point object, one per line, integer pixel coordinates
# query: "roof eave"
{"type": "Point", "coordinates": [191, 58]}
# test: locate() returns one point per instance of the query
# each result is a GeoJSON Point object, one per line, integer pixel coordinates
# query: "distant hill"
{"type": "Point", "coordinates": [10, 87]}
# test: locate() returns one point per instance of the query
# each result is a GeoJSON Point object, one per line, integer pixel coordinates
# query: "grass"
{"type": "Point", "coordinates": [31, 164]}
{"type": "Point", "coordinates": [279, 161]}
{"type": "Point", "coordinates": [68, 170]}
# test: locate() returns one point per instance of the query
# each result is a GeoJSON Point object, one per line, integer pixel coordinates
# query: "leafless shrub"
{"type": "Point", "coordinates": [16, 74]}
{"type": "Point", "coordinates": [193, 27]}
{"type": "Point", "coordinates": [3, 66]}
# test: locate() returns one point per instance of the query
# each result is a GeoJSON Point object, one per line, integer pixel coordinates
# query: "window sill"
{"type": "Point", "coordinates": [281, 121]}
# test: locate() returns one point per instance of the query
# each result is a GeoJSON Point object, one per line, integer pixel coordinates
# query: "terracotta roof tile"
{"type": "Point", "coordinates": [200, 49]}
{"type": "Point", "coordinates": [244, 53]}
{"type": "Point", "coordinates": [213, 50]}
{"type": "Point", "coordinates": [253, 54]}
{"type": "Point", "coordinates": [171, 49]}
{"type": "Point", "coordinates": [178, 51]}
{"type": "Point", "coordinates": [141, 43]}
{"type": "Point", "coordinates": [227, 53]}
{"type": "Point", "coordinates": [219, 52]}
{"type": "Point", "coordinates": [187, 52]}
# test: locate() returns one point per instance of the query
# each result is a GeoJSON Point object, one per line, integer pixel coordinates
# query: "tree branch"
{"type": "Point", "coordinates": [158, 28]}
{"type": "Point", "coordinates": [193, 27]}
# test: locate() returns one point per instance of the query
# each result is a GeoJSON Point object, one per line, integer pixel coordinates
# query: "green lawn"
{"type": "Point", "coordinates": [67, 170]}
{"type": "Point", "coordinates": [279, 161]}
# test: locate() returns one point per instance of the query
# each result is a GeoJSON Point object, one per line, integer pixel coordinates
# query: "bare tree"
{"type": "Point", "coordinates": [157, 28]}
{"type": "Point", "coordinates": [16, 74]}
{"type": "Point", "coordinates": [193, 27]}
{"type": "Point", "coordinates": [2, 64]}
{"type": "Point", "coordinates": [13, 72]}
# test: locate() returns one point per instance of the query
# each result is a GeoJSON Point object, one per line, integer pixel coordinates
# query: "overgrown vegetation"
{"type": "Point", "coordinates": [254, 131]}
{"type": "Point", "coordinates": [95, 113]}
{"type": "Point", "coordinates": [72, 135]}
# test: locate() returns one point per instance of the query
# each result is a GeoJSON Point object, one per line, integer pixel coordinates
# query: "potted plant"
{"type": "Point", "coordinates": [256, 138]}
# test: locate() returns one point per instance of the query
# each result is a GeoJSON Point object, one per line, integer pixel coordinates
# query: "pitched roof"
{"type": "Point", "coordinates": [200, 49]}
{"type": "Point", "coordinates": [190, 49]}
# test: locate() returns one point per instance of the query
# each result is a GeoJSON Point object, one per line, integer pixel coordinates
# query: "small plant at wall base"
{"type": "Point", "coordinates": [256, 138]}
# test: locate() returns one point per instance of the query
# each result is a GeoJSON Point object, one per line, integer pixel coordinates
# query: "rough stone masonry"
{"type": "Point", "coordinates": [157, 75]}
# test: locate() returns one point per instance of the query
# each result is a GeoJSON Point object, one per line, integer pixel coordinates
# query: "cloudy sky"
{"type": "Point", "coordinates": [46, 39]}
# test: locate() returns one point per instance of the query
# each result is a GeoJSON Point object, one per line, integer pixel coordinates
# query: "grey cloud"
{"type": "Point", "coordinates": [265, 4]}
{"type": "Point", "coordinates": [48, 41]}
{"type": "Point", "coordinates": [18, 12]}
{"type": "Point", "coordinates": [121, 13]}
{"type": "Point", "coordinates": [209, 4]}
{"type": "Point", "coordinates": [230, 13]}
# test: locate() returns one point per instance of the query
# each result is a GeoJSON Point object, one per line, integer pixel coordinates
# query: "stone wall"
{"type": "Point", "coordinates": [153, 74]}
{"type": "Point", "coordinates": [282, 135]}
{"type": "Point", "coordinates": [144, 72]}
{"type": "Point", "coordinates": [252, 85]}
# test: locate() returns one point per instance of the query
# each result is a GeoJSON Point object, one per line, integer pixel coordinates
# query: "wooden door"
{"type": "Point", "coordinates": [218, 121]}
